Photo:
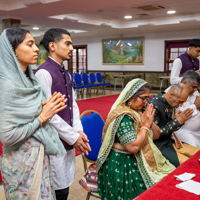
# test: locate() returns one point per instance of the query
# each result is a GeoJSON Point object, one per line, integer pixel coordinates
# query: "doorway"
{"type": "Point", "coordinates": [78, 63]}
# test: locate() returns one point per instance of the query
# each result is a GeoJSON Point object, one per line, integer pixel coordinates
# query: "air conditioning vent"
{"type": "Point", "coordinates": [143, 14]}
{"type": "Point", "coordinates": [24, 25]}
{"type": "Point", "coordinates": [150, 7]}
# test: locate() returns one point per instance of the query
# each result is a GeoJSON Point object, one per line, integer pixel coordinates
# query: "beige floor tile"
{"type": "Point", "coordinates": [2, 195]}
{"type": "Point", "coordinates": [76, 192]}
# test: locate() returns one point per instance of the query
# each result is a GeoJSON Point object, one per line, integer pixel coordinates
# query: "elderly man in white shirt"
{"type": "Point", "coordinates": [190, 132]}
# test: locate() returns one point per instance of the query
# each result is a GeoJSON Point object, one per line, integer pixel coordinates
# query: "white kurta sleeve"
{"type": "Point", "coordinates": [65, 131]}
{"type": "Point", "coordinates": [190, 104]}
{"type": "Point", "coordinates": [76, 115]}
{"type": "Point", "coordinates": [175, 73]}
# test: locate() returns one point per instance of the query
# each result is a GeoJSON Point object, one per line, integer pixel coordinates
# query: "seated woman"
{"type": "Point", "coordinates": [128, 162]}
{"type": "Point", "coordinates": [28, 138]}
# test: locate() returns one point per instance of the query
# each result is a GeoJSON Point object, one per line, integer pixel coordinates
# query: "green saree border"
{"type": "Point", "coordinates": [145, 176]}
{"type": "Point", "coordinates": [102, 159]}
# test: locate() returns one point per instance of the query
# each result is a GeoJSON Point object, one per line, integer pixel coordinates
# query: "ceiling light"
{"type": "Point", "coordinates": [35, 28]}
{"type": "Point", "coordinates": [171, 12]}
{"type": "Point", "coordinates": [128, 17]}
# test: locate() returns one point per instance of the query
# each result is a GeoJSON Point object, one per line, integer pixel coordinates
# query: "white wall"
{"type": "Point", "coordinates": [153, 50]}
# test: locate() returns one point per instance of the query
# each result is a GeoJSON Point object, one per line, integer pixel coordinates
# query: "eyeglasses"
{"type": "Point", "coordinates": [144, 100]}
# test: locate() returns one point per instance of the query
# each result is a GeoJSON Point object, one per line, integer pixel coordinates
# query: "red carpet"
{"type": "Point", "coordinates": [100, 104]}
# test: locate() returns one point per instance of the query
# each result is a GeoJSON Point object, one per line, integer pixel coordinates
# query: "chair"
{"type": "Point", "coordinates": [93, 127]}
{"type": "Point", "coordinates": [72, 78]}
{"type": "Point", "coordinates": [93, 80]}
{"type": "Point", "coordinates": [78, 83]}
{"type": "Point", "coordinates": [99, 79]}
{"type": "Point", "coordinates": [86, 82]}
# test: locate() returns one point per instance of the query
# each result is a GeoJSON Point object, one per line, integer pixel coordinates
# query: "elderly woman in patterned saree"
{"type": "Point", "coordinates": [28, 139]}
{"type": "Point", "coordinates": [128, 162]}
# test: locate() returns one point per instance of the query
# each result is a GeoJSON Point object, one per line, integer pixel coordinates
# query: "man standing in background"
{"type": "Point", "coordinates": [54, 77]}
{"type": "Point", "coordinates": [186, 61]}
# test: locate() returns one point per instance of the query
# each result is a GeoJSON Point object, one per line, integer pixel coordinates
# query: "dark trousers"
{"type": "Point", "coordinates": [62, 194]}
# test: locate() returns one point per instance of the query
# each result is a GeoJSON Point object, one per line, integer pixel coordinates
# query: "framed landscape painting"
{"type": "Point", "coordinates": [123, 51]}
{"type": "Point", "coordinates": [42, 55]}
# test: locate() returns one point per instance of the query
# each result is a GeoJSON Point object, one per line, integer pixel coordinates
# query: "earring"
{"type": "Point", "coordinates": [129, 104]}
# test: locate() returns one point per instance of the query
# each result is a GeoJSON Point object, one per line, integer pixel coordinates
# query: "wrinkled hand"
{"type": "Point", "coordinates": [53, 105]}
{"type": "Point", "coordinates": [197, 102]}
{"type": "Point", "coordinates": [147, 116]}
{"type": "Point", "coordinates": [198, 71]}
{"type": "Point", "coordinates": [182, 117]}
{"type": "Point", "coordinates": [82, 146]}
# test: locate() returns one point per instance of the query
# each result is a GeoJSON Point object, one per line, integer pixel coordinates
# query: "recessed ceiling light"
{"type": "Point", "coordinates": [128, 17]}
{"type": "Point", "coordinates": [36, 28]}
{"type": "Point", "coordinates": [171, 12]}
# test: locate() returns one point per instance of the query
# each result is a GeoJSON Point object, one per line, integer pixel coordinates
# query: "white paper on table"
{"type": "Point", "coordinates": [190, 186]}
{"type": "Point", "coordinates": [185, 177]}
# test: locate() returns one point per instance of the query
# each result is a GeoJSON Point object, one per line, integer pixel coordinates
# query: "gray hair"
{"type": "Point", "coordinates": [177, 89]}
{"type": "Point", "coordinates": [191, 77]}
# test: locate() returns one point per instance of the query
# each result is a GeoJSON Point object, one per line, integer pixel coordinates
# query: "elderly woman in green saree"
{"type": "Point", "coordinates": [128, 162]}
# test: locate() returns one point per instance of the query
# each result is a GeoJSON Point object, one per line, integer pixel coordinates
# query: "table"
{"type": "Point", "coordinates": [166, 189]}
{"type": "Point", "coordinates": [123, 77]}
{"type": "Point", "coordinates": [161, 80]}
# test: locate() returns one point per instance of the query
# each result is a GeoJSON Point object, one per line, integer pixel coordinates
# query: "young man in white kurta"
{"type": "Point", "coordinates": [54, 77]}
{"type": "Point", "coordinates": [186, 61]}
{"type": "Point", "coordinates": [63, 168]}
{"type": "Point", "coordinates": [175, 73]}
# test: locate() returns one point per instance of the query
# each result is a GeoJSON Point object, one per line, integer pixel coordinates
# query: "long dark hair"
{"type": "Point", "coordinates": [16, 36]}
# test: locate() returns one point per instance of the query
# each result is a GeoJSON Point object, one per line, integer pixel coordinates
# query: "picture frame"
{"type": "Point", "coordinates": [42, 55]}
{"type": "Point", "coordinates": [123, 51]}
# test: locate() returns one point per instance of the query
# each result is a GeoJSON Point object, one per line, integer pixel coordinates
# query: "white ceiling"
{"type": "Point", "coordinates": [92, 18]}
